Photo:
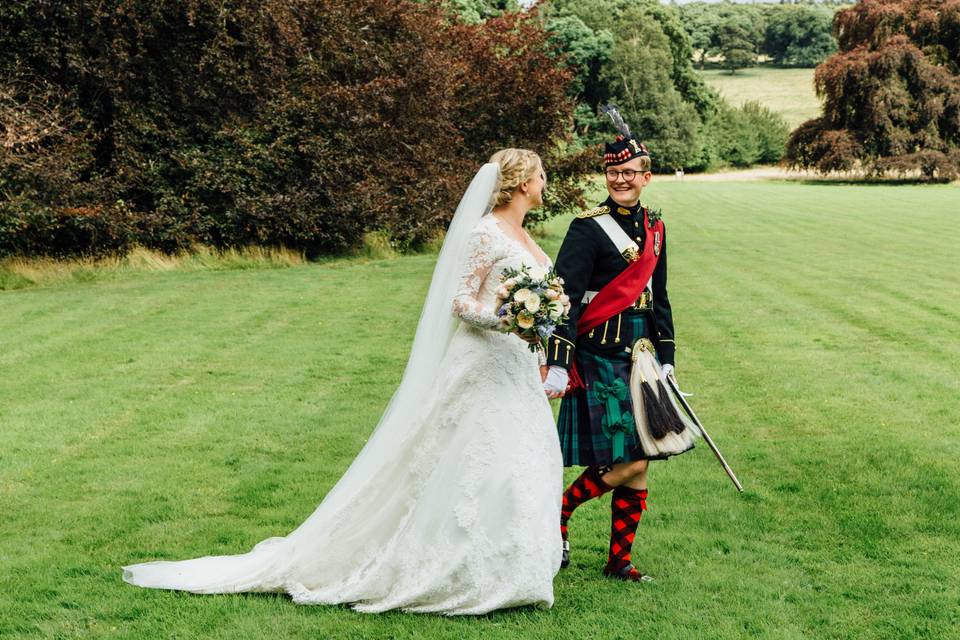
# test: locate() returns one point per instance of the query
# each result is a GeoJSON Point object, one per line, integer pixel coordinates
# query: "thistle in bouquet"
{"type": "Point", "coordinates": [531, 303]}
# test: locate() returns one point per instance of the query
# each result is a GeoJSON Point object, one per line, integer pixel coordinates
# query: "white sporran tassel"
{"type": "Point", "coordinates": [646, 371]}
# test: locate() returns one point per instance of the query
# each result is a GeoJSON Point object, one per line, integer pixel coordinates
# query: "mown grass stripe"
{"type": "Point", "coordinates": [172, 414]}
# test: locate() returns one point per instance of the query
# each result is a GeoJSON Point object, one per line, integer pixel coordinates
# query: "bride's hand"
{"type": "Point", "coordinates": [534, 339]}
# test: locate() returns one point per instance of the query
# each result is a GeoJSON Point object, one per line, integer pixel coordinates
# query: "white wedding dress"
{"type": "Point", "coordinates": [453, 506]}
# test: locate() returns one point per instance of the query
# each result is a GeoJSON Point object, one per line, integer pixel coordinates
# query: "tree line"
{"type": "Point", "coordinates": [301, 123]}
{"type": "Point", "coordinates": [797, 34]}
{"type": "Point", "coordinates": [310, 123]}
{"type": "Point", "coordinates": [639, 55]}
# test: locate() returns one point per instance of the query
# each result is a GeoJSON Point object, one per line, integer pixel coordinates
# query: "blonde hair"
{"type": "Point", "coordinates": [516, 167]}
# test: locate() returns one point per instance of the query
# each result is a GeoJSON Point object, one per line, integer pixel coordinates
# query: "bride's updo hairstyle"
{"type": "Point", "coordinates": [516, 167]}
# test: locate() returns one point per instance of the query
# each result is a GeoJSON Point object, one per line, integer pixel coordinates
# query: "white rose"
{"type": "Point", "coordinates": [564, 298]}
{"type": "Point", "coordinates": [556, 308]}
{"type": "Point", "coordinates": [551, 294]}
{"type": "Point", "coordinates": [532, 303]}
{"type": "Point", "coordinates": [522, 294]}
{"type": "Point", "coordinates": [537, 273]}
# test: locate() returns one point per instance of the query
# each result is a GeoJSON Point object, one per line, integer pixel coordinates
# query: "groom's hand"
{"type": "Point", "coordinates": [667, 371]}
{"type": "Point", "coordinates": [556, 383]}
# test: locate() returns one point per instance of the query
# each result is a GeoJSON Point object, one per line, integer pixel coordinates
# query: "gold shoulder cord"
{"type": "Point", "coordinates": [593, 213]}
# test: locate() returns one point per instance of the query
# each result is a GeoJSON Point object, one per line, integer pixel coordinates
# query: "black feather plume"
{"type": "Point", "coordinates": [611, 110]}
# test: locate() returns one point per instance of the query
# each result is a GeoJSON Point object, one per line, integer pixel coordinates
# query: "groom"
{"type": "Point", "coordinates": [590, 368]}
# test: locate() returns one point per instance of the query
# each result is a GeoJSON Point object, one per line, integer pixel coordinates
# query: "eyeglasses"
{"type": "Point", "coordinates": [613, 175]}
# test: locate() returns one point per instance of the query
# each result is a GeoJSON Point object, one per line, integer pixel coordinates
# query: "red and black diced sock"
{"type": "Point", "coordinates": [589, 485]}
{"type": "Point", "coordinates": [626, 508]}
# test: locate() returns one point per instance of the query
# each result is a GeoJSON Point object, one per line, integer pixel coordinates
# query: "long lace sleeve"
{"type": "Point", "coordinates": [482, 253]}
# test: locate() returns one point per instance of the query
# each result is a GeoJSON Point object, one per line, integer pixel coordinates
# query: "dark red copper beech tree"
{"type": "Point", "coordinates": [891, 94]}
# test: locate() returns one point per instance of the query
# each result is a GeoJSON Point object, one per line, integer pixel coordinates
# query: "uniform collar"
{"type": "Point", "coordinates": [619, 210]}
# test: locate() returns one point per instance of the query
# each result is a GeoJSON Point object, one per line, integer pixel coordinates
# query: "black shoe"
{"type": "Point", "coordinates": [565, 558]}
{"type": "Point", "coordinates": [628, 573]}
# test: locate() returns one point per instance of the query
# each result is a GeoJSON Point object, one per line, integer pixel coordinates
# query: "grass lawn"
{"type": "Point", "coordinates": [789, 92]}
{"type": "Point", "coordinates": [182, 413]}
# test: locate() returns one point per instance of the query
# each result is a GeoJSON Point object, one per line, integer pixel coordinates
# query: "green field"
{"type": "Point", "coordinates": [183, 413]}
{"type": "Point", "coordinates": [789, 92]}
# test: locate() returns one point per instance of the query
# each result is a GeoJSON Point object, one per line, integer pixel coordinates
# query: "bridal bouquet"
{"type": "Point", "coordinates": [531, 303]}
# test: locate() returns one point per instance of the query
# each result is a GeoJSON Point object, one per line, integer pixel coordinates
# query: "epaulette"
{"type": "Point", "coordinates": [593, 213]}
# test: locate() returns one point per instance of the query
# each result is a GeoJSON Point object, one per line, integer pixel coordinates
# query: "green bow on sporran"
{"type": "Point", "coordinates": [615, 423]}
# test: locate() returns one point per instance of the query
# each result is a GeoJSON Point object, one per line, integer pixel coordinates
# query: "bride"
{"type": "Point", "coordinates": [452, 506]}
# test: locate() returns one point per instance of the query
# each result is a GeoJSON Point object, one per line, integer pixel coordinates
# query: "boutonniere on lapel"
{"type": "Point", "coordinates": [653, 215]}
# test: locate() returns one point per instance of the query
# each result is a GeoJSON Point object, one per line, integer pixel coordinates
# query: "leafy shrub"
{"type": "Point", "coordinates": [736, 142]}
{"type": "Point", "coordinates": [29, 229]}
{"type": "Point", "coordinates": [771, 129]}
{"type": "Point", "coordinates": [306, 124]}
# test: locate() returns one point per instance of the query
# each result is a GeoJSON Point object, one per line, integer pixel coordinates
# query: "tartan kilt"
{"type": "Point", "coordinates": [585, 415]}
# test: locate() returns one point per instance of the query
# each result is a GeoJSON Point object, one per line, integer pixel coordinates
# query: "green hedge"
{"type": "Point", "coordinates": [303, 124]}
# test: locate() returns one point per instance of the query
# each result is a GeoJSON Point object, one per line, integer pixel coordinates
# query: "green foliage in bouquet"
{"type": "Point", "coordinates": [531, 303]}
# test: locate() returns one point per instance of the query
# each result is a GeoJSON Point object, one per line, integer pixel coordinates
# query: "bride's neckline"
{"type": "Point", "coordinates": [506, 235]}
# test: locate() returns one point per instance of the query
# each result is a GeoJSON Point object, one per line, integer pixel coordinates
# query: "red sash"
{"type": "Point", "coordinates": [621, 292]}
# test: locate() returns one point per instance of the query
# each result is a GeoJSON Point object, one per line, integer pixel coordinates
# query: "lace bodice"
{"type": "Point", "coordinates": [491, 251]}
